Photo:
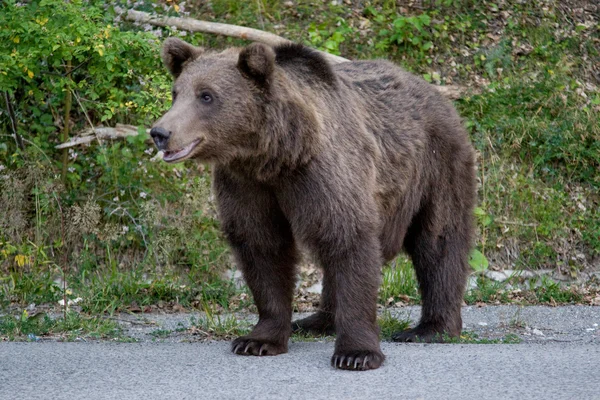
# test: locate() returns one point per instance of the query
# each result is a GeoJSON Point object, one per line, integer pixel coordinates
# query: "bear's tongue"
{"type": "Point", "coordinates": [175, 155]}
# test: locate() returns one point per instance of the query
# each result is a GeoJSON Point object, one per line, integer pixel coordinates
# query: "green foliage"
{"type": "Point", "coordinates": [113, 72]}
{"type": "Point", "coordinates": [478, 261]}
{"type": "Point", "coordinates": [161, 333]}
{"type": "Point", "coordinates": [467, 337]}
{"type": "Point", "coordinates": [390, 325]}
{"type": "Point", "coordinates": [537, 291]}
{"type": "Point", "coordinates": [117, 207]}
{"type": "Point", "coordinates": [494, 58]}
{"type": "Point", "coordinates": [411, 31]}
{"type": "Point", "coordinates": [399, 282]}
{"type": "Point", "coordinates": [553, 293]}
{"type": "Point", "coordinates": [554, 135]}
{"type": "Point", "coordinates": [123, 228]}
{"type": "Point", "coordinates": [71, 326]}
{"type": "Point", "coordinates": [486, 291]}
{"type": "Point", "coordinates": [219, 326]}
{"type": "Point", "coordinates": [544, 123]}
{"type": "Point", "coordinates": [329, 39]}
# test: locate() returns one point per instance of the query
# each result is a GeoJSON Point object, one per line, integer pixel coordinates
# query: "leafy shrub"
{"type": "Point", "coordinates": [115, 74]}
{"type": "Point", "coordinates": [67, 63]}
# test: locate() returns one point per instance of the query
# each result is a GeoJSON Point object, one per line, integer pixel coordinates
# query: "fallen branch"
{"type": "Point", "coordinates": [194, 25]}
{"type": "Point", "coordinates": [120, 131]}
{"type": "Point", "coordinates": [454, 92]}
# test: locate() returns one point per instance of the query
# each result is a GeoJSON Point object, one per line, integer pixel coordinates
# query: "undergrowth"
{"type": "Point", "coordinates": [108, 223]}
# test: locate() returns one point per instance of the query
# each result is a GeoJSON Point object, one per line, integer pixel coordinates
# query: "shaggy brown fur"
{"type": "Point", "coordinates": [356, 161]}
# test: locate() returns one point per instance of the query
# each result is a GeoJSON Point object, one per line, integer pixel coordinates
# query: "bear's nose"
{"type": "Point", "coordinates": [160, 137]}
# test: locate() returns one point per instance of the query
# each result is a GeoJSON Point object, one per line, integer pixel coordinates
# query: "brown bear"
{"type": "Point", "coordinates": [355, 161]}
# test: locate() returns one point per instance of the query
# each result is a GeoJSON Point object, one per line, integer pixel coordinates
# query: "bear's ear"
{"type": "Point", "coordinates": [175, 53]}
{"type": "Point", "coordinates": [257, 62]}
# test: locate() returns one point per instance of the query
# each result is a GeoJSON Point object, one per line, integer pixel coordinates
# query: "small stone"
{"type": "Point", "coordinates": [316, 288]}
{"type": "Point", "coordinates": [521, 274]}
{"type": "Point", "coordinates": [537, 332]}
{"type": "Point", "coordinates": [472, 283]}
{"type": "Point", "coordinates": [498, 276]}
{"type": "Point", "coordinates": [482, 323]}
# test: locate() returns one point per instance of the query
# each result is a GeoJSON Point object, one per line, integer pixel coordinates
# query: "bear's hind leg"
{"type": "Point", "coordinates": [323, 321]}
{"type": "Point", "coordinates": [441, 265]}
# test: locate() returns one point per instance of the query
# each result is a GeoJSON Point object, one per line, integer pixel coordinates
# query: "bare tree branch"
{"type": "Point", "coordinates": [194, 25]}
{"type": "Point", "coordinates": [120, 131]}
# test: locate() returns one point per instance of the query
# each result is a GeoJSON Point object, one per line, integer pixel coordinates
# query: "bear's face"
{"type": "Point", "coordinates": [217, 106]}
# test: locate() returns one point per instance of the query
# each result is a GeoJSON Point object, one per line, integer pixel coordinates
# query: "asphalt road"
{"type": "Point", "coordinates": [558, 358]}
{"type": "Point", "coordinates": [146, 371]}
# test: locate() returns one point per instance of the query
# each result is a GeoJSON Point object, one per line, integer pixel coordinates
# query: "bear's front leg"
{"type": "Point", "coordinates": [343, 234]}
{"type": "Point", "coordinates": [356, 268]}
{"type": "Point", "coordinates": [262, 243]}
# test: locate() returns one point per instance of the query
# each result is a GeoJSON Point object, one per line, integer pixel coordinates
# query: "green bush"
{"type": "Point", "coordinates": [53, 46]}
{"type": "Point", "coordinates": [66, 63]}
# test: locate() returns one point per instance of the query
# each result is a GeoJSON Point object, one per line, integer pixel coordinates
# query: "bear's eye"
{"type": "Point", "coordinates": [206, 97]}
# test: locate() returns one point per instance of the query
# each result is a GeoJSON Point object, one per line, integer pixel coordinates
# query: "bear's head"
{"type": "Point", "coordinates": [243, 105]}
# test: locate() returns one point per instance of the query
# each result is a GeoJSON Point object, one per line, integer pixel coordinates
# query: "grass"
{"type": "Point", "coordinates": [467, 337]}
{"type": "Point", "coordinates": [399, 285]}
{"type": "Point", "coordinates": [161, 333]}
{"type": "Point", "coordinates": [41, 325]}
{"type": "Point", "coordinates": [215, 326]}
{"type": "Point", "coordinates": [390, 325]}
{"type": "Point", "coordinates": [540, 291]}
{"type": "Point", "coordinates": [399, 282]}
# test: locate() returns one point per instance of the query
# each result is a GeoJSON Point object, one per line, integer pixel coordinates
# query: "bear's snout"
{"type": "Point", "coordinates": [160, 137]}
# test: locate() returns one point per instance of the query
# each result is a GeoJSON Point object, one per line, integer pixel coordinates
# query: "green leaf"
{"type": "Point", "coordinates": [400, 23]}
{"type": "Point", "coordinates": [478, 261]}
{"type": "Point", "coordinates": [479, 212]}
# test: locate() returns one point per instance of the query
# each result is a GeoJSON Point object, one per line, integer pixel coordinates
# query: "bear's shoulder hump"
{"type": "Point", "coordinates": [306, 63]}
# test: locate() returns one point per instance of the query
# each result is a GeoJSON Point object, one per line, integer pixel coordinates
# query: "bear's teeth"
{"type": "Point", "coordinates": [174, 155]}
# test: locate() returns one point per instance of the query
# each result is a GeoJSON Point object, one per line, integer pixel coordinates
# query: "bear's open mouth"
{"type": "Point", "coordinates": [175, 155]}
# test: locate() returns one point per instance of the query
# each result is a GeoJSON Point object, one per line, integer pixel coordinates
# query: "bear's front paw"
{"type": "Point", "coordinates": [247, 346]}
{"type": "Point", "coordinates": [360, 360]}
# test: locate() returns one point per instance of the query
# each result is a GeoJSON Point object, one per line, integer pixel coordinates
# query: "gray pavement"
{"type": "Point", "coordinates": [209, 371]}
{"type": "Point", "coordinates": [559, 358]}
